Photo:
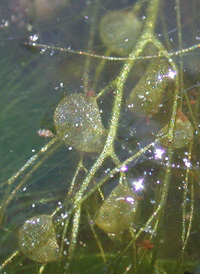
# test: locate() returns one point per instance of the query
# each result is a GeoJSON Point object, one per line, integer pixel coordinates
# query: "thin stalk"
{"type": "Point", "coordinates": [114, 58]}
{"type": "Point", "coordinates": [99, 69]}
{"type": "Point", "coordinates": [45, 152]}
{"type": "Point", "coordinates": [167, 177]}
{"type": "Point", "coordinates": [96, 237]}
{"type": "Point", "coordinates": [74, 234]}
{"type": "Point", "coordinates": [42, 268]}
{"type": "Point", "coordinates": [9, 259]}
{"type": "Point", "coordinates": [186, 229]}
{"type": "Point", "coordinates": [178, 18]}
{"type": "Point", "coordinates": [92, 32]}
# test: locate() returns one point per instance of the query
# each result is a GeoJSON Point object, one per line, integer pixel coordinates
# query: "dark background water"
{"type": "Point", "coordinates": [33, 81]}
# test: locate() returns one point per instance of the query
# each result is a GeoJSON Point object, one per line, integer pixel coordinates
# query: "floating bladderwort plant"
{"type": "Point", "coordinates": [116, 204]}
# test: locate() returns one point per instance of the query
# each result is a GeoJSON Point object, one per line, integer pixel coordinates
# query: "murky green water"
{"type": "Point", "coordinates": [116, 189]}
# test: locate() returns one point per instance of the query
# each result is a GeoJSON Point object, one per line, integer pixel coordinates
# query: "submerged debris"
{"type": "Point", "coordinates": [46, 133]}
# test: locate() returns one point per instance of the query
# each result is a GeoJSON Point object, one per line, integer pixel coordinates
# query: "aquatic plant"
{"type": "Point", "coordinates": [115, 189]}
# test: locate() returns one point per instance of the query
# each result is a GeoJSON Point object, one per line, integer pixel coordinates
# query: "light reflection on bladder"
{"type": "Point", "coordinates": [159, 153]}
{"type": "Point", "coordinates": [138, 185]}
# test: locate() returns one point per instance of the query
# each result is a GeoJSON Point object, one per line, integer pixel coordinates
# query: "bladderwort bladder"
{"type": "Point", "coordinates": [127, 204]}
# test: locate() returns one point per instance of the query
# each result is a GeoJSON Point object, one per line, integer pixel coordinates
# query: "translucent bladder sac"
{"type": "Point", "coordinates": [119, 31]}
{"type": "Point", "coordinates": [146, 96]}
{"type": "Point", "coordinates": [37, 239]}
{"type": "Point", "coordinates": [78, 123]}
{"type": "Point", "coordinates": [118, 210]}
{"type": "Point", "coordinates": [183, 133]}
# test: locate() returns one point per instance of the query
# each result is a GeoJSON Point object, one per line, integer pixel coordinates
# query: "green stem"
{"type": "Point", "coordinates": [136, 52]}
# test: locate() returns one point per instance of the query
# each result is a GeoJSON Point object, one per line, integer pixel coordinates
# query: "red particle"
{"type": "Point", "coordinates": [182, 116]}
{"type": "Point", "coordinates": [146, 244]}
{"type": "Point", "coordinates": [90, 93]}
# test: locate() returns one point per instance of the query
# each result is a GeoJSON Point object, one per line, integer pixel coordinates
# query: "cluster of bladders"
{"type": "Point", "coordinates": [78, 123]}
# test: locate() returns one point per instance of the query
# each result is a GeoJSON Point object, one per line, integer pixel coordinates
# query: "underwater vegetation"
{"type": "Point", "coordinates": [100, 149]}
